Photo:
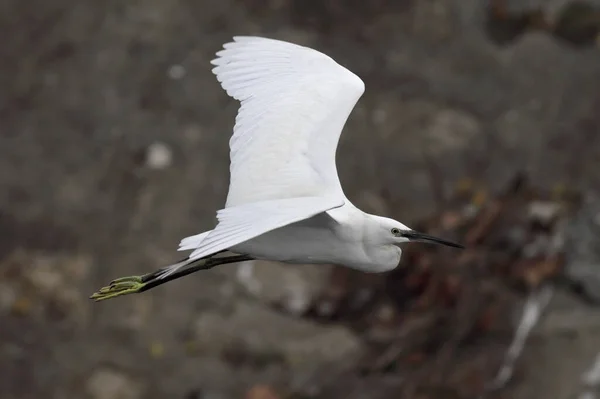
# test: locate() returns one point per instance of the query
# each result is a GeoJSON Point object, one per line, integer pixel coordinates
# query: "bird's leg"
{"type": "Point", "coordinates": [136, 284]}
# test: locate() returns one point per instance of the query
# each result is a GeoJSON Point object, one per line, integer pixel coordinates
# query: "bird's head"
{"type": "Point", "coordinates": [394, 232]}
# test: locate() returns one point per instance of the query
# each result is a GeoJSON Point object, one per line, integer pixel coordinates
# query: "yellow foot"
{"type": "Point", "coordinates": [118, 287]}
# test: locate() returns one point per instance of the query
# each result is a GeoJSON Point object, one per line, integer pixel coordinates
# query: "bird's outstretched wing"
{"type": "Point", "coordinates": [241, 223]}
{"type": "Point", "coordinates": [294, 104]}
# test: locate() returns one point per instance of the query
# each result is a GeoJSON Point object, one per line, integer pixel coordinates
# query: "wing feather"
{"type": "Point", "coordinates": [294, 104]}
{"type": "Point", "coordinates": [241, 223]}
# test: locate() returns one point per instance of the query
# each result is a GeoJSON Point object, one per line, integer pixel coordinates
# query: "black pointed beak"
{"type": "Point", "coordinates": [422, 237]}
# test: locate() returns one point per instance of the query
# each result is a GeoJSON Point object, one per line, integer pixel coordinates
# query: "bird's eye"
{"type": "Point", "coordinates": [395, 231]}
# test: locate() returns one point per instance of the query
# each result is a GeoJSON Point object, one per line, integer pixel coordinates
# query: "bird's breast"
{"type": "Point", "coordinates": [295, 243]}
{"type": "Point", "coordinates": [377, 259]}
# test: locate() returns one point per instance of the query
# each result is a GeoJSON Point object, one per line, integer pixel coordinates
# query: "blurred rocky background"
{"type": "Point", "coordinates": [481, 122]}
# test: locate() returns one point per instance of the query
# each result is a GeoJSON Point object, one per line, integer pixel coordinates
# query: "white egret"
{"type": "Point", "coordinates": [285, 202]}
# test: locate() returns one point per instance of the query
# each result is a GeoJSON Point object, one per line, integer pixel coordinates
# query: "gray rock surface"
{"type": "Point", "coordinates": [564, 347]}
{"type": "Point", "coordinates": [113, 146]}
{"type": "Point", "coordinates": [110, 384]}
{"type": "Point", "coordinates": [244, 327]}
{"type": "Point", "coordinates": [583, 250]}
{"type": "Point", "coordinates": [292, 287]}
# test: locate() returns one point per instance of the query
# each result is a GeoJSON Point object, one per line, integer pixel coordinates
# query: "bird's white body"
{"type": "Point", "coordinates": [340, 237]}
{"type": "Point", "coordinates": [285, 201]}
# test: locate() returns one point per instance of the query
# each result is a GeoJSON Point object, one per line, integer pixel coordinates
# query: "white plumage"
{"type": "Point", "coordinates": [285, 201]}
{"type": "Point", "coordinates": [294, 104]}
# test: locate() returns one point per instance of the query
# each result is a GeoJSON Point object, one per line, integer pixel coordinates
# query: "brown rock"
{"type": "Point", "coordinates": [261, 392]}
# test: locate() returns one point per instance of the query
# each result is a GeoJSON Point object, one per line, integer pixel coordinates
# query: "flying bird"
{"type": "Point", "coordinates": [285, 201]}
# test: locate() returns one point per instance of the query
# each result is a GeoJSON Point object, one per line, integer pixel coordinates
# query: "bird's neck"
{"type": "Point", "coordinates": [382, 253]}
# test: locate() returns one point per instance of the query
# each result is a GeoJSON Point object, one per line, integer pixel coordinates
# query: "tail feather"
{"type": "Point", "coordinates": [192, 242]}
{"type": "Point", "coordinates": [186, 244]}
